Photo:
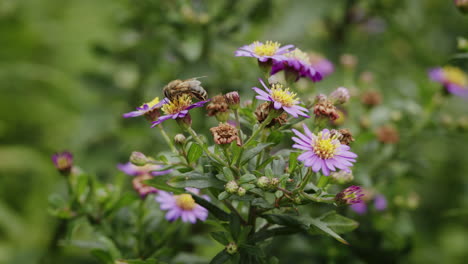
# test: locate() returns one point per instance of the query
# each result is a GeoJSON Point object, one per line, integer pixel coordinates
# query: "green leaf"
{"type": "Point", "coordinates": [293, 161]}
{"type": "Point", "coordinates": [251, 153]}
{"type": "Point", "coordinates": [234, 226]}
{"type": "Point", "coordinates": [221, 237]}
{"type": "Point", "coordinates": [332, 224]}
{"type": "Point", "coordinates": [223, 195]}
{"type": "Point", "coordinates": [160, 183]}
{"type": "Point", "coordinates": [248, 186]}
{"type": "Point", "coordinates": [279, 231]}
{"type": "Point", "coordinates": [213, 209]}
{"type": "Point", "coordinates": [196, 180]}
{"type": "Point", "coordinates": [221, 257]}
{"type": "Point", "coordinates": [286, 220]}
{"type": "Point", "coordinates": [102, 255]}
{"type": "Point", "coordinates": [82, 187]}
{"type": "Point", "coordinates": [275, 137]}
{"type": "Point", "coordinates": [194, 153]}
{"type": "Point", "coordinates": [262, 203]}
{"type": "Point", "coordinates": [228, 174]}
{"type": "Point", "coordinates": [247, 178]}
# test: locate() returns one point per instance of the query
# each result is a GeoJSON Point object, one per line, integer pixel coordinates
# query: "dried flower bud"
{"type": "Point", "coordinates": [179, 139]}
{"type": "Point", "coordinates": [63, 162]}
{"type": "Point", "coordinates": [241, 191]}
{"type": "Point", "coordinates": [263, 182]}
{"type": "Point", "coordinates": [219, 108]}
{"type": "Point", "coordinates": [326, 109]}
{"type": "Point", "coordinates": [343, 135]}
{"type": "Point", "coordinates": [348, 61]}
{"type": "Point", "coordinates": [231, 248]}
{"type": "Point", "coordinates": [341, 177]}
{"type": "Point", "coordinates": [340, 96]}
{"type": "Point", "coordinates": [225, 134]}
{"type": "Point", "coordinates": [350, 195]}
{"type": "Point", "coordinates": [371, 98]}
{"type": "Point", "coordinates": [320, 98]}
{"type": "Point", "coordinates": [388, 134]}
{"type": "Point", "coordinates": [141, 187]}
{"type": "Point", "coordinates": [138, 158]}
{"type": "Point", "coordinates": [262, 113]}
{"type": "Point", "coordinates": [233, 99]}
{"type": "Point", "coordinates": [231, 187]}
{"type": "Point", "coordinates": [462, 5]}
{"type": "Point", "coordinates": [366, 77]}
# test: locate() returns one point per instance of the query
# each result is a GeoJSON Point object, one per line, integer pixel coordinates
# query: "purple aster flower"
{"type": "Point", "coordinates": [281, 99]}
{"type": "Point", "coordinates": [323, 151]}
{"type": "Point", "coordinates": [150, 110]}
{"type": "Point", "coordinates": [177, 108]}
{"type": "Point", "coordinates": [340, 96]}
{"type": "Point", "coordinates": [298, 63]}
{"type": "Point", "coordinates": [263, 51]}
{"type": "Point", "coordinates": [182, 206]}
{"type": "Point", "coordinates": [351, 195]}
{"type": "Point", "coordinates": [63, 161]}
{"type": "Point", "coordinates": [380, 203]}
{"type": "Point", "coordinates": [142, 173]}
{"type": "Point", "coordinates": [321, 64]}
{"type": "Point", "coordinates": [359, 208]}
{"type": "Point", "coordinates": [452, 78]}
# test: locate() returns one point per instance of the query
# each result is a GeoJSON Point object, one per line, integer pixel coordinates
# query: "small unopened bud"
{"type": "Point", "coordinates": [340, 96]}
{"type": "Point", "coordinates": [63, 162]}
{"type": "Point", "coordinates": [179, 139]}
{"type": "Point", "coordinates": [231, 187]}
{"type": "Point", "coordinates": [342, 177]}
{"type": "Point", "coordinates": [274, 182]}
{"type": "Point", "coordinates": [462, 5]}
{"type": "Point", "coordinates": [138, 158]}
{"type": "Point", "coordinates": [263, 182]}
{"type": "Point", "coordinates": [185, 122]}
{"type": "Point", "coordinates": [350, 195]}
{"type": "Point", "coordinates": [233, 99]}
{"type": "Point", "coordinates": [348, 61]}
{"type": "Point", "coordinates": [231, 248]}
{"type": "Point", "coordinates": [371, 98]}
{"type": "Point", "coordinates": [241, 191]}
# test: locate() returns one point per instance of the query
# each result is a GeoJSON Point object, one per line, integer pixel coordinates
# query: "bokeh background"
{"type": "Point", "coordinates": [69, 69]}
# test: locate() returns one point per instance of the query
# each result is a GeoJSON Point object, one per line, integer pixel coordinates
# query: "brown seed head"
{"type": "Point", "coordinates": [217, 105]}
{"type": "Point", "coordinates": [262, 112]}
{"type": "Point", "coordinates": [325, 108]}
{"type": "Point", "coordinates": [343, 135]}
{"type": "Point", "coordinates": [371, 98]}
{"type": "Point", "coordinates": [388, 134]}
{"type": "Point", "coordinates": [225, 134]}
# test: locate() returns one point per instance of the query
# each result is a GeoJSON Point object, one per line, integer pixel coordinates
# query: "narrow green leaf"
{"type": "Point", "coordinates": [196, 180]}
{"type": "Point", "coordinates": [293, 161]}
{"type": "Point", "coordinates": [249, 154]}
{"type": "Point", "coordinates": [160, 183]}
{"type": "Point", "coordinates": [234, 226]}
{"type": "Point", "coordinates": [223, 195]}
{"type": "Point", "coordinates": [286, 220]}
{"type": "Point", "coordinates": [228, 174]}
{"type": "Point", "coordinates": [275, 137]}
{"type": "Point", "coordinates": [247, 178]}
{"type": "Point", "coordinates": [279, 231]}
{"type": "Point", "coordinates": [338, 223]}
{"type": "Point", "coordinates": [194, 153]}
{"type": "Point", "coordinates": [221, 237]}
{"type": "Point", "coordinates": [102, 255]}
{"type": "Point", "coordinates": [221, 257]}
{"type": "Point", "coordinates": [213, 209]}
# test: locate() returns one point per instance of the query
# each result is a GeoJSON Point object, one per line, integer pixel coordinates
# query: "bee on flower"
{"type": "Point", "coordinates": [177, 108]}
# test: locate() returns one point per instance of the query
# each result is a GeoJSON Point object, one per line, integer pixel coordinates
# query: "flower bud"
{"type": "Point", "coordinates": [388, 134]}
{"type": "Point", "coordinates": [241, 191]}
{"type": "Point", "coordinates": [219, 108]}
{"type": "Point", "coordinates": [63, 162]}
{"type": "Point", "coordinates": [263, 182]}
{"type": "Point", "coordinates": [326, 109]}
{"type": "Point", "coordinates": [320, 98]}
{"type": "Point", "coordinates": [233, 99]}
{"type": "Point", "coordinates": [231, 187]}
{"type": "Point", "coordinates": [340, 96]}
{"type": "Point", "coordinates": [462, 5]}
{"type": "Point", "coordinates": [341, 177]}
{"type": "Point", "coordinates": [185, 122]}
{"type": "Point", "coordinates": [274, 182]}
{"type": "Point", "coordinates": [348, 61]}
{"type": "Point", "coordinates": [371, 98]}
{"type": "Point", "coordinates": [462, 44]}
{"type": "Point", "coordinates": [138, 158]}
{"type": "Point", "coordinates": [350, 195]}
{"type": "Point", "coordinates": [179, 139]}
{"type": "Point", "coordinates": [231, 248]}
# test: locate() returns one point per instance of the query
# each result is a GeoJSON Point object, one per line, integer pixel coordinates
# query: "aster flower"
{"type": "Point", "coordinates": [321, 64]}
{"type": "Point", "coordinates": [452, 78]}
{"type": "Point", "coordinates": [63, 161]}
{"type": "Point", "coordinates": [177, 109]}
{"type": "Point", "coordinates": [323, 151]}
{"type": "Point", "coordinates": [142, 173]}
{"type": "Point", "coordinates": [380, 202]}
{"type": "Point", "coordinates": [182, 206]}
{"type": "Point", "coordinates": [297, 62]}
{"type": "Point", "coordinates": [359, 208]}
{"type": "Point", "coordinates": [150, 110]}
{"type": "Point", "coordinates": [350, 195]}
{"type": "Point", "coordinates": [281, 99]}
{"type": "Point", "coordinates": [263, 51]}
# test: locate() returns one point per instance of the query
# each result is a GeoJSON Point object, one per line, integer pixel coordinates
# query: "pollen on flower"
{"type": "Point", "coordinates": [283, 96]}
{"type": "Point", "coordinates": [153, 102]}
{"type": "Point", "coordinates": [325, 148]}
{"type": "Point", "coordinates": [267, 49]}
{"type": "Point", "coordinates": [299, 55]}
{"type": "Point", "coordinates": [185, 201]}
{"type": "Point", "coordinates": [178, 104]}
{"type": "Point", "coordinates": [455, 75]}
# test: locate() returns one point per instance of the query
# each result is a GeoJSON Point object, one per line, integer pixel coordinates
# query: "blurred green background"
{"type": "Point", "coordinates": [70, 69]}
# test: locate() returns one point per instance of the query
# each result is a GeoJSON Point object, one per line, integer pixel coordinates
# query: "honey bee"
{"type": "Point", "coordinates": [190, 86]}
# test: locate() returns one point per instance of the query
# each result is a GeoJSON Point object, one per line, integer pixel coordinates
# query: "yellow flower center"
{"type": "Point", "coordinates": [154, 102]}
{"type": "Point", "coordinates": [455, 75]}
{"type": "Point", "coordinates": [267, 49]}
{"type": "Point", "coordinates": [325, 148]}
{"type": "Point", "coordinates": [178, 104]}
{"type": "Point", "coordinates": [281, 95]}
{"type": "Point", "coordinates": [299, 55]}
{"type": "Point", "coordinates": [185, 201]}
{"type": "Point", "coordinates": [62, 163]}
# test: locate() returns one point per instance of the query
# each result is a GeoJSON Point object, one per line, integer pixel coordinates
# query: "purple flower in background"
{"type": "Point", "coordinates": [177, 108]}
{"type": "Point", "coordinates": [321, 64]}
{"type": "Point", "coordinates": [323, 151]}
{"type": "Point", "coordinates": [359, 208]}
{"type": "Point", "coordinates": [298, 63]}
{"type": "Point", "coordinates": [263, 51]}
{"type": "Point", "coordinates": [351, 195]}
{"type": "Point", "coordinates": [182, 206]}
{"type": "Point", "coordinates": [281, 99]}
{"type": "Point", "coordinates": [380, 203]}
{"type": "Point", "coordinates": [452, 78]}
{"type": "Point", "coordinates": [150, 110]}
{"type": "Point", "coordinates": [63, 161]}
{"type": "Point", "coordinates": [142, 173]}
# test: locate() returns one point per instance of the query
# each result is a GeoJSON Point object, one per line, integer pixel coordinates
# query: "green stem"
{"type": "Point", "coordinates": [141, 210]}
{"type": "Point", "coordinates": [236, 114]}
{"type": "Point", "coordinates": [323, 181]}
{"type": "Point", "coordinates": [317, 199]}
{"type": "Point", "coordinates": [305, 180]}
{"type": "Point", "coordinates": [261, 127]}
{"type": "Point", "coordinates": [205, 149]}
{"type": "Point", "coordinates": [166, 137]}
